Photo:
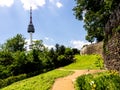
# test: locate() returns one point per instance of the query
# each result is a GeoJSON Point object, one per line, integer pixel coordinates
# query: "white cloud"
{"type": "Point", "coordinates": [51, 1]}
{"type": "Point", "coordinates": [48, 39]}
{"type": "Point", "coordinates": [34, 3]}
{"type": "Point", "coordinates": [49, 46]}
{"type": "Point", "coordinates": [7, 3]}
{"type": "Point", "coordinates": [56, 3]}
{"type": "Point", "coordinates": [59, 5]}
{"type": "Point", "coordinates": [78, 44]}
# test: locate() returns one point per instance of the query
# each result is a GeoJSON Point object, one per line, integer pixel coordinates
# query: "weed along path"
{"type": "Point", "coordinates": [67, 83]}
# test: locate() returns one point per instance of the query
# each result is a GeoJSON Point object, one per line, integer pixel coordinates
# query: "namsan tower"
{"type": "Point", "coordinates": [31, 29]}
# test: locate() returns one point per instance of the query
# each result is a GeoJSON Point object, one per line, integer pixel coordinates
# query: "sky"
{"type": "Point", "coordinates": [53, 20]}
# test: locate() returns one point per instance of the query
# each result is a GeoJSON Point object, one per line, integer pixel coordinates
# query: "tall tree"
{"type": "Point", "coordinates": [95, 14]}
{"type": "Point", "coordinates": [38, 45]}
{"type": "Point", "coordinates": [15, 44]}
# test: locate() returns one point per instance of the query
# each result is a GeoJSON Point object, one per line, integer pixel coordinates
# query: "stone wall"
{"type": "Point", "coordinates": [112, 52]}
{"type": "Point", "coordinates": [96, 48]}
{"type": "Point", "coordinates": [112, 41]}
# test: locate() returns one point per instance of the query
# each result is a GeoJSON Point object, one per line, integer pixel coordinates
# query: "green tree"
{"type": "Point", "coordinates": [61, 49]}
{"type": "Point", "coordinates": [53, 56]}
{"type": "Point", "coordinates": [69, 56]}
{"type": "Point", "coordinates": [89, 38]}
{"type": "Point", "coordinates": [15, 44]}
{"type": "Point", "coordinates": [62, 60]}
{"type": "Point", "coordinates": [18, 63]}
{"type": "Point", "coordinates": [95, 14]}
{"type": "Point", "coordinates": [75, 51]}
{"type": "Point", "coordinates": [6, 60]}
{"type": "Point", "coordinates": [57, 48]}
{"type": "Point", "coordinates": [38, 45]}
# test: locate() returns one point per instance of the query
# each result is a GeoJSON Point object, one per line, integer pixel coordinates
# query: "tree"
{"type": "Point", "coordinates": [75, 51]}
{"type": "Point", "coordinates": [57, 48]}
{"type": "Point", "coordinates": [15, 44]}
{"type": "Point", "coordinates": [53, 56]}
{"type": "Point", "coordinates": [89, 38]}
{"type": "Point", "coordinates": [95, 14]}
{"type": "Point", "coordinates": [69, 55]}
{"type": "Point", "coordinates": [62, 49]}
{"type": "Point", "coordinates": [18, 63]}
{"type": "Point", "coordinates": [38, 45]}
{"type": "Point", "coordinates": [6, 60]}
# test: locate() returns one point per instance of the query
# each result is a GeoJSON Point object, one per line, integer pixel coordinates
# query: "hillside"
{"type": "Point", "coordinates": [86, 62]}
{"type": "Point", "coordinates": [46, 80]}
{"type": "Point", "coordinates": [40, 82]}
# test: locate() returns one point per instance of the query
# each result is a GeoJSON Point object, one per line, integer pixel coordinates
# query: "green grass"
{"type": "Point", "coordinates": [46, 80]}
{"type": "Point", "coordinates": [86, 62]}
{"type": "Point", "coordinates": [40, 82]}
{"type": "Point", "coordinates": [108, 80]}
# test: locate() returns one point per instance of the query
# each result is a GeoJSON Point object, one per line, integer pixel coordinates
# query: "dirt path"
{"type": "Point", "coordinates": [66, 83]}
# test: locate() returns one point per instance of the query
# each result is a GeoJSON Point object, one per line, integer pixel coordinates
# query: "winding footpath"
{"type": "Point", "coordinates": [67, 83]}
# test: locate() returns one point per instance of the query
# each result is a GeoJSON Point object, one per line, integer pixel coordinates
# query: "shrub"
{"type": "Point", "coordinates": [102, 81]}
{"type": "Point", "coordinates": [82, 82]}
{"type": "Point", "coordinates": [12, 79]}
{"type": "Point", "coordinates": [99, 61]}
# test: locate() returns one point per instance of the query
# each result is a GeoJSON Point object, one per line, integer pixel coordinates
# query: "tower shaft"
{"type": "Point", "coordinates": [31, 38]}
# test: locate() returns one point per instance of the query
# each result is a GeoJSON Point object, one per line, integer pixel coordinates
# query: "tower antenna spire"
{"type": "Point", "coordinates": [31, 14]}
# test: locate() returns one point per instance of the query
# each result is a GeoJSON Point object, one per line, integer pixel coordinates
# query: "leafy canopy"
{"type": "Point", "coordinates": [15, 44]}
{"type": "Point", "coordinates": [95, 14]}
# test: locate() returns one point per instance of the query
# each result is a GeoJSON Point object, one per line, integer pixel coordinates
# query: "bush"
{"type": "Point", "coordinates": [102, 81]}
{"type": "Point", "coordinates": [82, 82]}
{"type": "Point", "coordinates": [108, 81]}
{"type": "Point", "coordinates": [99, 62]}
{"type": "Point", "coordinates": [12, 79]}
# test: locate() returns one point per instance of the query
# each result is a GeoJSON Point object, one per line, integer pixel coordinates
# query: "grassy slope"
{"type": "Point", "coordinates": [85, 62]}
{"type": "Point", "coordinates": [46, 80]}
{"type": "Point", "coordinates": [40, 82]}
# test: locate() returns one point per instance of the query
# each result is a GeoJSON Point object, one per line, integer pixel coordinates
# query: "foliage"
{"type": "Point", "coordinates": [102, 81]}
{"type": "Point", "coordinates": [18, 62]}
{"type": "Point", "coordinates": [95, 14]}
{"type": "Point", "coordinates": [75, 51]}
{"type": "Point", "coordinates": [42, 81]}
{"type": "Point", "coordinates": [6, 60]}
{"type": "Point", "coordinates": [89, 38]}
{"type": "Point", "coordinates": [118, 29]}
{"type": "Point", "coordinates": [99, 62]}
{"type": "Point", "coordinates": [86, 62]}
{"type": "Point", "coordinates": [82, 82]}
{"type": "Point", "coordinates": [11, 79]}
{"type": "Point", "coordinates": [15, 44]}
{"type": "Point", "coordinates": [61, 56]}
{"type": "Point", "coordinates": [38, 60]}
{"type": "Point", "coordinates": [38, 45]}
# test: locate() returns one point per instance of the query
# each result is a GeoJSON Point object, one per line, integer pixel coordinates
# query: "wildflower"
{"type": "Point", "coordinates": [91, 83]}
{"type": "Point", "coordinates": [94, 85]}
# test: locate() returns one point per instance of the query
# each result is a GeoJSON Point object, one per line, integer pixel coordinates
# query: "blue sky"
{"type": "Point", "coordinates": [53, 20]}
